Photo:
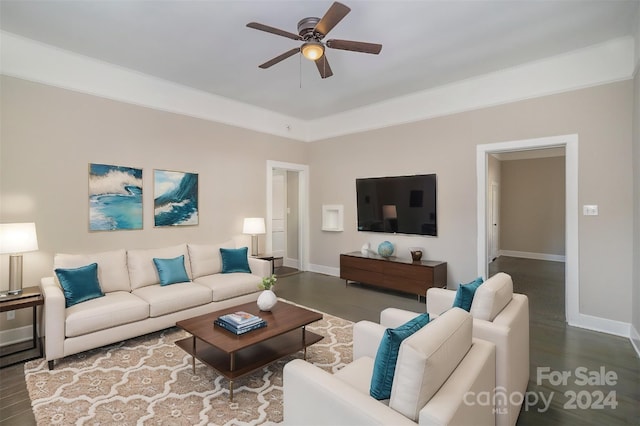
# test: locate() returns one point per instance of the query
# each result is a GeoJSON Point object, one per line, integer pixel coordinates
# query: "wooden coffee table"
{"type": "Point", "coordinates": [235, 356]}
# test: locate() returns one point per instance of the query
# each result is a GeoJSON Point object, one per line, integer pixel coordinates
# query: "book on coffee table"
{"type": "Point", "coordinates": [240, 318]}
{"type": "Point", "coordinates": [220, 322]}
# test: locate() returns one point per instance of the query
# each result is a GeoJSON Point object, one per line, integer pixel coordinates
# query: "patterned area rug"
{"type": "Point", "coordinates": [149, 381]}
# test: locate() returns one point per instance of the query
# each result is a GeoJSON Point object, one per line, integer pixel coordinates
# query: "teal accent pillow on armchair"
{"type": "Point", "coordinates": [235, 260]}
{"type": "Point", "coordinates": [171, 271]}
{"type": "Point", "coordinates": [384, 366]}
{"type": "Point", "coordinates": [465, 293]}
{"type": "Point", "coordinates": [79, 284]}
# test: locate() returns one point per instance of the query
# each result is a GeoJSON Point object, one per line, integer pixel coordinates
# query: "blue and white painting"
{"type": "Point", "coordinates": [175, 198]}
{"type": "Point", "coordinates": [115, 197]}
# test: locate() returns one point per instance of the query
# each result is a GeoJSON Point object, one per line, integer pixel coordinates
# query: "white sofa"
{"type": "Point", "coordinates": [499, 316]}
{"type": "Point", "coordinates": [134, 302]}
{"type": "Point", "coordinates": [439, 373]}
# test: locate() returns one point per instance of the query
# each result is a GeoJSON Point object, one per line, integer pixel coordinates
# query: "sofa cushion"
{"type": "Point", "coordinates": [79, 284]}
{"type": "Point", "coordinates": [115, 308]}
{"type": "Point", "coordinates": [465, 294]}
{"type": "Point", "coordinates": [142, 271]}
{"type": "Point", "coordinates": [171, 271]}
{"type": "Point", "coordinates": [112, 267]}
{"type": "Point", "coordinates": [206, 259]}
{"type": "Point", "coordinates": [226, 286]}
{"type": "Point", "coordinates": [387, 355]}
{"type": "Point", "coordinates": [164, 300]}
{"type": "Point", "coordinates": [235, 260]}
{"type": "Point", "coordinates": [492, 296]}
{"type": "Point", "coordinates": [427, 358]}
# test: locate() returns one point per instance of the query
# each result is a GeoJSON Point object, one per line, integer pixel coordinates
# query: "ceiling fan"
{"type": "Point", "coordinates": [311, 31]}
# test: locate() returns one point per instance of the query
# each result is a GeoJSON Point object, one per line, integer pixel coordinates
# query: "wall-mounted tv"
{"type": "Point", "coordinates": [398, 204]}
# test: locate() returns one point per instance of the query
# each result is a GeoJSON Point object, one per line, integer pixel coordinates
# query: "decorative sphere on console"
{"type": "Point", "coordinates": [385, 249]}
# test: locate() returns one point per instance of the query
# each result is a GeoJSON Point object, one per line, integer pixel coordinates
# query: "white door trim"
{"type": "Point", "coordinates": [570, 142]}
{"type": "Point", "coordinates": [303, 208]}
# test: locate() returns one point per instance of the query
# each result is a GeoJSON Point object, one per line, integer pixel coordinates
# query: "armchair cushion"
{"type": "Point", "coordinates": [491, 297]}
{"type": "Point", "coordinates": [427, 359]}
{"type": "Point", "coordinates": [465, 294]}
{"type": "Point", "coordinates": [387, 355]}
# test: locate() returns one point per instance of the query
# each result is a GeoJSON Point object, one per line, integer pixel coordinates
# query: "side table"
{"type": "Point", "coordinates": [31, 297]}
{"type": "Point", "coordinates": [271, 258]}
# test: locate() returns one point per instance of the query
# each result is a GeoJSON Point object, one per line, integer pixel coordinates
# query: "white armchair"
{"type": "Point", "coordinates": [500, 317]}
{"type": "Point", "coordinates": [439, 370]}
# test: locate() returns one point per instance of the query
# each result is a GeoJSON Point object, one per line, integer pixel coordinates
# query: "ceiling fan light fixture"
{"type": "Point", "coordinates": [312, 50]}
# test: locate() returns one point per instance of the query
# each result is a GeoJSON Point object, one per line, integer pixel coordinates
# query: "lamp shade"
{"type": "Point", "coordinates": [18, 237]}
{"type": "Point", "coordinates": [254, 226]}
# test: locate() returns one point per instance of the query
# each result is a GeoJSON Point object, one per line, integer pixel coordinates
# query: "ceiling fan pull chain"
{"type": "Point", "coordinates": [300, 68]}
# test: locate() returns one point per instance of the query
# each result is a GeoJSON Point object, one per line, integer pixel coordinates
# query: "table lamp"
{"type": "Point", "coordinates": [254, 226]}
{"type": "Point", "coordinates": [15, 239]}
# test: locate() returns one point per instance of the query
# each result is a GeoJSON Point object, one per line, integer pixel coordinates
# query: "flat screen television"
{"type": "Point", "coordinates": [398, 204]}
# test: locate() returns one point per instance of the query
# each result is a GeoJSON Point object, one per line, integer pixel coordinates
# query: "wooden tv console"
{"type": "Point", "coordinates": [393, 272]}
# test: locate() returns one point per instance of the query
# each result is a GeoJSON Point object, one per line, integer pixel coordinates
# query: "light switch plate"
{"type": "Point", "coordinates": [590, 210]}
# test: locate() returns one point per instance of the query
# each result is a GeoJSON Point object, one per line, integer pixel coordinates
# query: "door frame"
{"type": "Point", "coordinates": [570, 143]}
{"type": "Point", "coordinates": [494, 218]}
{"type": "Point", "coordinates": [303, 208]}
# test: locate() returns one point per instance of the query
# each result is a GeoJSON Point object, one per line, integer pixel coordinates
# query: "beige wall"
{"type": "Point", "coordinates": [50, 135]}
{"type": "Point", "coordinates": [602, 118]}
{"type": "Point", "coordinates": [532, 206]}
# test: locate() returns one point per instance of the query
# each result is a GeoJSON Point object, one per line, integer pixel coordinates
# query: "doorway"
{"type": "Point", "coordinates": [570, 144]}
{"type": "Point", "coordinates": [287, 229]}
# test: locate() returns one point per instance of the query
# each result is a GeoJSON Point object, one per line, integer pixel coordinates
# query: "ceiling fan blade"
{"type": "Point", "coordinates": [336, 12]}
{"type": "Point", "coordinates": [323, 67]}
{"type": "Point", "coordinates": [272, 30]}
{"type": "Point", "coordinates": [355, 46]}
{"type": "Point", "coordinates": [279, 58]}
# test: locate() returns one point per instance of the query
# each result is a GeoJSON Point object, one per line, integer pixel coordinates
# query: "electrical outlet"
{"type": "Point", "coordinates": [11, 315]}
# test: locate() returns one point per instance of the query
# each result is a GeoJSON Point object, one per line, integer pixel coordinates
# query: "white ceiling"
{"type": "Point", "coordinates": [205, 44]}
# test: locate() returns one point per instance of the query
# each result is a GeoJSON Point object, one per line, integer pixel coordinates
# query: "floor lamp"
{"type": "Point", "coordinates": [254, 226]}
{"type": "Point", "coordinates": [15, 239]}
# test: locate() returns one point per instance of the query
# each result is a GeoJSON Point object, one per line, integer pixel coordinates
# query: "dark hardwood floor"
{"type": "Point", "coordinates": [554, 345]}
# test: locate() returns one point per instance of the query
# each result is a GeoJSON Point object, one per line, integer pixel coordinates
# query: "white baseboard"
{"type": "Point", "coordinates": [603, 325]}
{"type": "Point", "coordinates": [529, 255]}
{"type": "Point", "coordinates": [634, 336]}
{"type": "Point", "coordinates": [291, 263]}
{"type": "Point", "coordinates": [327, 270]}
{"type": "Point", "coordinates": [16, 335]}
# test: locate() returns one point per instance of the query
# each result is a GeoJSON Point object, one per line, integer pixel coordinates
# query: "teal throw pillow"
{"type": "Point", "coordinates": [79, 284]}
{"type": "Point", "coordinates": [235, 260]}
{"type": "Point", "coordinates": [384, 366]}
{"type": "Point", "coordinates": [171, 271]}
{"type": "Point", "coordinates": [465, 293]}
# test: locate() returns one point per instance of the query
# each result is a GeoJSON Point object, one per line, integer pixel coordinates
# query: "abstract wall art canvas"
{"type": "Point", "coordinates": [115, 197]}
{"type": "Point", "coordinates": [175, 198]}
